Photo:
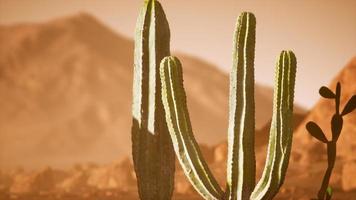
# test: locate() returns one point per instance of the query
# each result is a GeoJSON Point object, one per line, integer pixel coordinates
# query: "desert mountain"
{"type": "Point", "coordinates": [65, 94]}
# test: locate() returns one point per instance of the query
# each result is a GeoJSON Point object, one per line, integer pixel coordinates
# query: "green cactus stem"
{"type": "Point", "coordinates": [241, 132]}
{"type": "Point", "coordinates": [280, 141]}
{"type": "Point", "coordinates": [152, 149]}
{"type": "Point", "coordinates": [185, 145]}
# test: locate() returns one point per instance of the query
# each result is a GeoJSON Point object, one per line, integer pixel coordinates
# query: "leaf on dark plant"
{"type": "Point", "coordinates": [326, 93]}
{"type": "Point", "coordinates": [350, 106]}
{"type": "Point", "coordinates": [316, 131]}
{"type": "Point", "coordinates": [336, 126]}
{"type": "Point", "coordinates": [329, 193]}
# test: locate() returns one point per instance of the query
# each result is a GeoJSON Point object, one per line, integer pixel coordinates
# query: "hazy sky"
{"type": "Point", "coordinates": [321, 32]}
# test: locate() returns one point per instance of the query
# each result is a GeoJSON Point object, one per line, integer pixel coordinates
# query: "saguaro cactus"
{"type": "Point", "coordinates": [241, 158]}
{"type": "Point", "coordinates": [152, 149]}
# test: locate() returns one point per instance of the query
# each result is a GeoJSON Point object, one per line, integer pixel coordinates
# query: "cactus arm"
{"type": "Point", "coordinates": [152, 150]}
{"type": "Point", "coordinates": [178, 121]}
{"type": "Point", "coordinates": [241, 155]}
{"type": "Point", "coordinates": [280, 140]}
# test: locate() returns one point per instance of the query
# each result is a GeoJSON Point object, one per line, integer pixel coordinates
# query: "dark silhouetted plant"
{"type": "Point", "coordinates": [152, 148]}
{"type": "Point", "coordinates": [241, 155]}
{"type": "Point", "coordinates": [325, 191]}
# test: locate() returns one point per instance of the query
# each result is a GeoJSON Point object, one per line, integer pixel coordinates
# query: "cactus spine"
{"type": "Point", "coordinates": [152, 149]}
{"type": "Point", "coordinates": [241, 158]}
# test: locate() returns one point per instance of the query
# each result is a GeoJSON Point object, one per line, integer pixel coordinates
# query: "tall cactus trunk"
{"type": "Point", "coordinates": [152, 149]}
{"type": "Point", "coordinates": [241, 133]}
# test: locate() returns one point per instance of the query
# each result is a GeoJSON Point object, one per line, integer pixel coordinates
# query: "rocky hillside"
{"type": "Point", "coordinates": [65, 94]}
{"type": "Point", "coordinates": [117, 180]}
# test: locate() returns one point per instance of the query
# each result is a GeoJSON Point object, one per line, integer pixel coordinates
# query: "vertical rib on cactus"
{"type": "Point", "coordinates": [178, 121]}
{"type": "Point", "coordinates": [152, 149]}
{"type": "Point", "coordinates": [241, 154]}
{"type": "Point", "coordinates": [280, 140]}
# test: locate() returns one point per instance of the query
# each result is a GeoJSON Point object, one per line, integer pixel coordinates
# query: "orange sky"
{"type": "Point", "coordinates": [321, 32]}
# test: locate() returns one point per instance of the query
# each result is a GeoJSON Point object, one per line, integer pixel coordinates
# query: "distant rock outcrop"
{"type": "Point", "coordinates": [36, 181]}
